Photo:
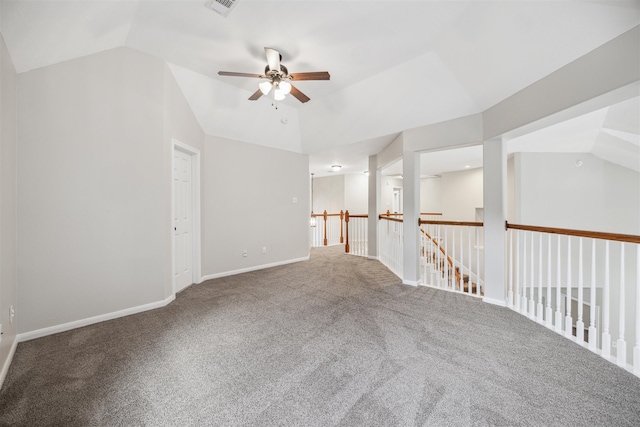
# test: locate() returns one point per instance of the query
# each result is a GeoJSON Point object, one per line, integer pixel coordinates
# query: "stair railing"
{"type": "Point", "coordinates": [451, 256]}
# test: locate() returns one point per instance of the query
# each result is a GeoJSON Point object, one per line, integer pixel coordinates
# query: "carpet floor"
{"type": "Point", "coordinates": [333, 341]}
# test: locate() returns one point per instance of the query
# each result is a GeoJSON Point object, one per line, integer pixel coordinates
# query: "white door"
{"type": "Point", "coordinates": [182, 219]}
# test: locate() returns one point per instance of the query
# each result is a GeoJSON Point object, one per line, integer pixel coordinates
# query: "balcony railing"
{"type": "Point", "coordinates": [583, 285]}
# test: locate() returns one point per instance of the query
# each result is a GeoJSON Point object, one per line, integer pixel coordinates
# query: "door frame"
{"type": "Point", "coordinates": [196, 259]}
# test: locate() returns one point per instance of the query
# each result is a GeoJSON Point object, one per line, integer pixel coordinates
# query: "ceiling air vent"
{"type": "Point", "coordinates": [223, 7]}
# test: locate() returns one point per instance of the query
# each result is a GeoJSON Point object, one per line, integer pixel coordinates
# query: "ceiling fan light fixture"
{"type": "Point", "coordinates": [278, 95]}
{"type": "Point", "coordinates": [265, 87]}
{"type": "Point", "coordinates": [285, 87]}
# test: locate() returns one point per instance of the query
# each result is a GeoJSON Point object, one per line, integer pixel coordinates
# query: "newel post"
{"type": "Point", "coordinates": [346, 220]}
{"type": "Point", "coordinates": [324, 215]}
{"type": "Point", "coordinates": [341, 219]}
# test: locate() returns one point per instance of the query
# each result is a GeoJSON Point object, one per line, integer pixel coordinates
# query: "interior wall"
{"type": "Point", "coordinates": [329, 194]}
{"type": "Point", "coordinates": [386, 193]}
{"type": "Point", "coordinates": [431, 195]}
{"type": "Point", "coordinates": [8, 201]}
{"type": "Point", "coordinates": [577, 191]}
{"type": "Point", "coordinates": [255, 197]}
{"type": "Point", "coordinates": [356, 193]}
{"type": "Point", "coordinates": [92, 188]}
{"type": "Point", "coordinates": [462, 193]}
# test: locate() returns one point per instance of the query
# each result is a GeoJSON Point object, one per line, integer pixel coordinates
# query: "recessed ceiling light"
{"type": "Point", "coordinates": [467, 166]}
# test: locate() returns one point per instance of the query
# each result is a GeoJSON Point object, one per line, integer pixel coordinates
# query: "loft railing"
{"type": "Point", "coordinates": [391, 238]}
{"type": "Point", "coordinates": [583, 285]}
{"type": "Point", "coordinates": [357, 227]}
{"type": "Point", "coordinates": [451, 256]}
{"type": "Point", "coordinates": [328, 229]}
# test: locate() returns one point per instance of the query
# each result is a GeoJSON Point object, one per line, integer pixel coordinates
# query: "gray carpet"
{"type": "Point", "coordinates": [336, 340]}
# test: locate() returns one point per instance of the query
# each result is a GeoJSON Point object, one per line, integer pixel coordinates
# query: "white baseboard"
{"type": "Point", "coordinates": [7, 362]}
{"type": "Point", "coordinates": [26, 336]}
{"type": "Point", "coordinates": [493, 301]}
{"type": "Point", "coordinates": [410, 282]}
{"type": "Point", "coordinates": [254, 268]}
{"type": "Point", "coordinates": [374, 258]}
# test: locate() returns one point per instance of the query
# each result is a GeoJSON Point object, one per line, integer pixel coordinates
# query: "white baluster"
{"type": "Point", "coordinates": [510, 291]}
{"type": "Point", "coordinates": [636, 349]}
{"type": "Point", "coordinates": [532, 302]}
{"type": "Point", "coordinates": [568, 320]}
{"type": "Point", "coordinates": [461, 267]}
{"type": "Point", "coordinates": [606, 337]}
{"type": "Point", "coordinates": [445, 265]}
{"type": "Point", "coordinates": [621, 351]}
{"type": "Point", "coordinates": [593, 332]}
{"type": "Point", "coordinates": [558, 325]}
{"type": "Point", "coordinates": [549, 311]}
{"type": "Point", "coordinates": [518, 296]}
{"type": "Point", "coordinates": [469, 254]}
{"type": "Point", "coordinates": [477, 230]}
{"type": "Point", "coordinates": [579, 322]}
{"type": "Point", "coordinates": [439, 257]}
{"type": "Point", "coordinates": [454, 285]}
{"type": "Point", "coordinates": [539, 308]}
{"type": "Point", "coordinates": [523, 300]}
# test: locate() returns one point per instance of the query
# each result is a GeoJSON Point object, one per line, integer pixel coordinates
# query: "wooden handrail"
{"type": "Point", "coordinates": [449, 260]}
{"type": "Point", "coordinates": [383, 216]}
{"type": "Point", "coordinates": [463, 223]}
{"type": "Point", "coordinates": [629, 238]}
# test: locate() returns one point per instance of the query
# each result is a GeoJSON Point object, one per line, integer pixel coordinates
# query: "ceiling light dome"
{"type": "Point", "coordinates": [265, 87]}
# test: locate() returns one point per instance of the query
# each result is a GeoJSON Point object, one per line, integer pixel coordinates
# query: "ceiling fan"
{"type": "Point", "coordinates": [278, 78]}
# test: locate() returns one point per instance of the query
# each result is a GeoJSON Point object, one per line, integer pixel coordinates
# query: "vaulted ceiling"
{"type": "Point", "coordinates": [394, 65]}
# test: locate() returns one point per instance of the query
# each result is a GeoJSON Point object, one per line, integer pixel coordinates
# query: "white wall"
{"type": "Point", "coordinates": [8, 201]}
{"type": "Point", "coordinates": [328, 194]}
{"type": "Point", "coordinates": [431, 195]}
{"type": "Point", "coordinates": [92, 188]}
{"type": "Point", "coordinates": [462, 193]}
{"type": "Point", "coordinates": [386, 193]}
{"type": "Point", "coordinates": [597, 196]}
{"type": "Point", "coordinates": [248, 205]}
{"type": "Point", "coordinates": [356, 194]}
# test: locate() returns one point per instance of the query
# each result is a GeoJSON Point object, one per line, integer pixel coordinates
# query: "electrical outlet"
{"type": "Point", "coordinates": [244, 252]}
{"type": "Point", "coordinates": [264, 250]}
{"type": "Point", "coordinates": [12, 314]}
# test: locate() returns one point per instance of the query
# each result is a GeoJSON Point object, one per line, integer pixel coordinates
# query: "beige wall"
{"type": "Point", "coordinates": [92, 188]}
{"type": "Point", "coordinates": [249, 205]}
{"type": "Point", "coordinates": [8, 202]}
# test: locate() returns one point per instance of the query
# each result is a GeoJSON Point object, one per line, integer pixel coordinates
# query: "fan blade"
{"type": "Point", "coordinates": [256, 95]}
{"type": "Point", "coordinates": [299, 95]}
{"type": "Point", "coordinates": [231, 73]}
{"type": "Point", "coordinates": [273, 59]}
{"type": "Point", "coordinates": [315, 75]}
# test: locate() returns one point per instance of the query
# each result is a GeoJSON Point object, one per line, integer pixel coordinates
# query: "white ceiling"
{"type": "Point", "coordinates": [394, 64]}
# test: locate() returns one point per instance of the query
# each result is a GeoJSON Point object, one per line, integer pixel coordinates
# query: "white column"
{"type": "Point", "coordinates": [495, 215]}
{"type": "Point", "coordinates": [411, 214]}
{"type": "Point", "coordinates": [374, 208]}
